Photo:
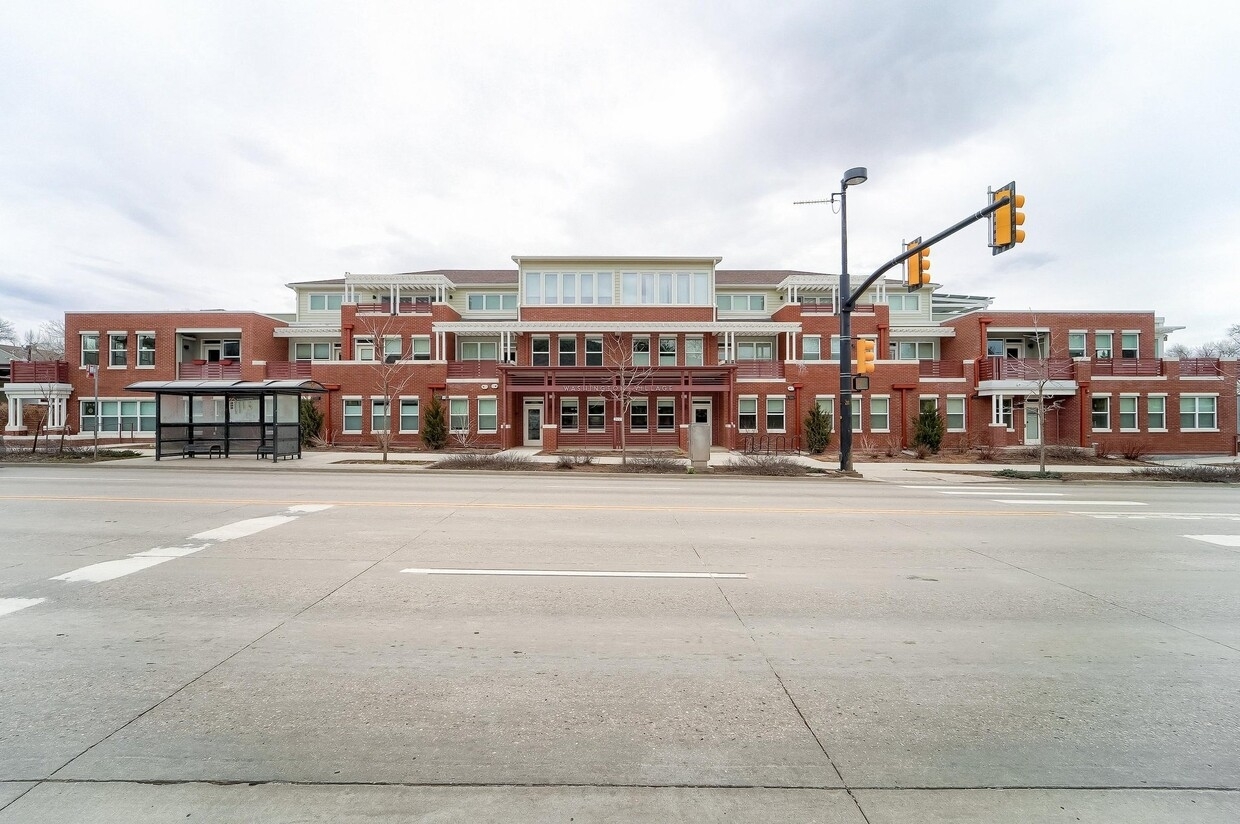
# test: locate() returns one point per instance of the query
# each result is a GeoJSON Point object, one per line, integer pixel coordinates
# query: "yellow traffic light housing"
{"type": "Point", "coordinates": [917, 267]}
{"type": "Point", "coordinates": [865, 356]}
{"type": "Point", "coordinates": [1006, 220]}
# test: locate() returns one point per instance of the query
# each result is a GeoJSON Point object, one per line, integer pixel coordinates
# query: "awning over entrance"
{"type": "Point", "coordinates": [220, 417]}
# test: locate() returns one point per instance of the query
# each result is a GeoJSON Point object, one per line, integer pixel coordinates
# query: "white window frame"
{"type": "Point", "coordinates": [644, 404]}
{"type": "Point", "coordinates": [83, 336]}
{"type": "Point", "coordinates": [1094, 411]}
{"type": "Point", "coordinates": [570, 403]}
{"type": "Point", "coordinates": [903, 303]}
{"type": "Point", "coordinates": [641, 358]}
{"type": "Point", "coordinates": [1136, 346]}
{"type": "Point", "coordinates": [659, 405]}
{"type": "Point", "coordinates": [534, 353]}
{"type": "Point", "coordinates": [695, 350]}
{"type": "Point", "coordinates": [1160, 414]}
{"type": "Point", "coordinates": [488, 407]}
{"type": "Point", "coordinates": [741, 413]}
{"type": "Point", "coordinates": [1197, 413]}
{"type": "Point", "coordinates": [1134, 400]}
{"type": "Point", "coordinates": [561, 352]}
{"type": "Point", "coordinates": [1081, 351]}
{"type": "Point", "coordinates": [420, 347]}
{"type": "Point", "coordinates": [113, 351]}
{"type": "Point", "coordinates": [345, 403]}
{"type": "Point", "coordinates": [884, 415]}
{"type": "Point", "coordinates": [594, 349]}
{"type": "Point", "coordinates": [453, 428]}
{"type": "Point", "coordinates": [811, 352]}
{"type": "Point", "coordinates": [668, 339]}
{"type": "Point", "coordinates": [963, 414]}
{"type": "Point", "coordinates": [746, 299]}
{"type": "Point", "coordinates": [781, 402]}
{"type": "Point", "coordinates": [377, 402]}
{"type": "Point", "coordinates": [491, 302]}
{"type": "Point", "coordinates": [327, 300]}
{"type": "Point", "coordinates": [602, 416]}
{"type": "Point", "coordinates": [403, 402]}
{"type": "Point", "coordinates": [1109, 349]}
{"type": "Point", "coordinates": [140, 350]}
{"type": "Point", "coordinates": [364, 344]}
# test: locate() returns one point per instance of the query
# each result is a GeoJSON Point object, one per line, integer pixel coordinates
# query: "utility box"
{"type": "Point", "coordinates": [699, 445]}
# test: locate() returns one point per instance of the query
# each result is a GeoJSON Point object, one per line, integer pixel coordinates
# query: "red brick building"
{"type": "Point", "coordinates": [563, 353]}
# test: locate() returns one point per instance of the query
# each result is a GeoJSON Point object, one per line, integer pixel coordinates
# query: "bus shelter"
{"type": "Point", "coordinates": [228, 417]}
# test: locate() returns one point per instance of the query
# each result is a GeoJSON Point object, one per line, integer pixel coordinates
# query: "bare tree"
{"type": "Point", "coordinates": [627, 380]}
{"type": "Point", "coordinates": [1041, 372]}
{"type": "Point", "coordinates": [8, 332]}
{"type": "Point", "coordinates": [52, 339]}
{"type": "Point", "coordinates": [391, 352]}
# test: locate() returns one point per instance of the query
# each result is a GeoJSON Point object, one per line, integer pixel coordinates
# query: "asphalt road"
{"type": "Point", "coordinates": [223, 646]}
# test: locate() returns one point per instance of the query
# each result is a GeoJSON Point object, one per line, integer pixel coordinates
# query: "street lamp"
{"type": "Point", "coordinates": [853, 177]}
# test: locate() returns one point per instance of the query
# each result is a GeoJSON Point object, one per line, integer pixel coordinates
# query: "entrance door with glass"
{"type": "Point", "coordinates": [1033, 424]}
{"type": "Point", "coordinates": [533, 423]}
{"type": "Point", "coordinates": [701, 414]}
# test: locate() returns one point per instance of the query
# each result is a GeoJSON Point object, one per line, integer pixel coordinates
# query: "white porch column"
{"type": "Point", "coordinates": [15, 414]}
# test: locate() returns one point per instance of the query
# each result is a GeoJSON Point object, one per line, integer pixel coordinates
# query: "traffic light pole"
{"type": "Point", "coordinates": [850, 301]}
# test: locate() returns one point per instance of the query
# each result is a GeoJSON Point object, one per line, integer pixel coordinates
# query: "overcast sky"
{"type": "Point", "coordinates": [202, 155]}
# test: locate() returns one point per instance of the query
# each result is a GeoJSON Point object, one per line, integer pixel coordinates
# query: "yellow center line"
{"type": "Point", "coordinates": [747, 510]}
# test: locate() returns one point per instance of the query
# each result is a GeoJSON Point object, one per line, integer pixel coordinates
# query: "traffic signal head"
{"type": "Point", "coordinates": [865, 356]}
{"type": "Point", "coordinates": [917, 267]}
{"type": "Point", "coordinates": [1005, 222]}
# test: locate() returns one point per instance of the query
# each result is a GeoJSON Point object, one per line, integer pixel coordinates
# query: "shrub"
{"type": "Point", "coordinates": [817, 430]}
{"type": "Point", "coordinates": [482, 460]}
{"type": "Point", "coordinates": [653, 462]}
{"type": "Point", "coordinates": [1102, 449]}
{"type": "Point", "coordinates": [1018, 473]}
{"type": "Point", "coordinates": [986, 450]}
{"type": "Point", "coordinates": [921, 451]}
{"type": "Point", "coordinates": [311, 421]}
{"type": "Point", "coordinates": [928, 429]}
{"type": "Point", "coordinates": [434, 425]}
{"type": "Point", "coordinates": [1133, 449]}
{"type": "Point", "coordinates": [765, 465]}
{"type": "Point", "coordinates": [1226, 474]}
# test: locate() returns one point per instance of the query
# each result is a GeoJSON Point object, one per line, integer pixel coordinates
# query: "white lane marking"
{"type": "Point", "coordinates": [576, 573]}
{"type": "Point", "coordinates": [11, 605]}
{"type": "Point", "coordinates": [1070, 503]}
{"type": "Point", "coordinates": [242, 529]}
{"type": "Point", "coordinates": [1166, 516]}
{"type": "Point", "coordinates": [108, 570]}
{"type": "Point", "coordinates": [1220, 540]}
{"type": "Point", "coordinates": [1053, 494]}
{"type": "Point", "coordinates": [978, 485]}
{"type": "Point", "coordinates": [138, 561]}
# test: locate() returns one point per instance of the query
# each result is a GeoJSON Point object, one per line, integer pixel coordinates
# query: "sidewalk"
{"type": "Point", "coordinates": [904, 472]}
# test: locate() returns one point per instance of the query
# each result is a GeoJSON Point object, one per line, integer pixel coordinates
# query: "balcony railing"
{"type": "Point", "coordinates": [1200, 367]}
{"type": "Point", "coordinates": [404, 306]}
{"type": "Point", "coordinates": [474, 369]}
{"type": "Point", "coordinates": [601, 379]}
{"type": "Point", "coordinates": [1026, 369]}
{"type": "Point", "coordinates": [1127, 367]}
{"type": "Point", "coordinates": [759, 370]}
{"type": "Point", "coordinates": [940, 369]}
{"type": "Point", "coordinates": [39, 372]}
{"type": "Point", "coordinates": [210, 371]}
{"type": "Point", "coordinates": [288, 370]}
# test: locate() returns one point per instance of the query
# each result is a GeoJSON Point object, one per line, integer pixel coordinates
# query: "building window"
{"type": "Point", "coordinates": [1102, 344]}
{"type": "Point", "coordinates": [827, 406]}
{"type": "Point", "coordinates": [811, 348]}
{"type": "Point", "coordinates": [570, 412]}
{"type": "Point", "coordinates": [665, 414]}
{"type": "Point", "coordinates": [1101, 413]}
{"type": "Point", "coordinates": [1076, 344]}
{"type": "Point", "coordinates": [925, 405]}
{"type": "Point", "coordinates": [118, 416]}
{"type": "Point", "coordinates": [117, 349]}
{"type": "Point", "coordinates": [312, 351]}
{"type": "Point", "coordinates": [856, 413]}
{"type": "Point", "coordinates": [568, 350]}
{"type": "Point", "coordinates": [1156, 412]}
{"type": "Point", "coordinates": [1001, 411]}
{"type": "Point", "coordinates": [1128, 413]}
{"type": "Point", "coordinates": [491, 302]}
{"type": "Point", "coordinates": [458, 415]}
{"type": "Point", "coordinates": [904, 303]}
{"type": "Point", "coordinates": [747, 412]}
{"type": "Point", "coordinates": [410, 414]}
{"type": "Point", "coordinates": [146, 349]}
{"type": "Point", "coordinates": [639, 415]}
{"type": "Point", "coordinates": [667, 351]}
{"type": "Point", "coordinates": [741, 303]}
{"type": "Point", "coordinates": [955, 415]}
{"type": "Point", "coordinates": [540, 351]}
{"type": "Point", "coordinates": [694, 352]}
{"type": "Point", "coordinates": [641, 351]}
{"type": "Point", "coordinates": [379, 415]}
{"type": "Point", "coordinates": [352, 416]}
{"type": "Point", "coordinates": [364, 349]}
{"type": "Point", "coordinates": [594, 351]}
{"type": "Point", "coordinates": [835, 347]}
{"type": "Point", "coordinates": [775, 414]}
{"type": "Point", "coordinates": [488, 419]}
{"type": "Point", "coordinates": [755, 350]}
{"type": "Point", "coordinates": [880, 420]}
{"type": "Point", "coordinates": [326, 303]}
{"type": "Point", "coordinates": [915, 350]}
{"type": "Point", "coordinates": [477, 350]}
{"type": "Point", "coordinates": [90, 350]}
{"type": "Point", "coordinates": [1128, 344]}
{"type": "Point", "coordinates": [665, 288]}
{"type": "Point", "coordinates": [421, 347]}
{"type": "Point", "coordinates": [596, 415]}
{"type": "Point", "coordinates": [1198, 413]}
{"type": "Point", "coordinates": [568, 288]}
{"type": "Point", "coordinates": [392, 348]}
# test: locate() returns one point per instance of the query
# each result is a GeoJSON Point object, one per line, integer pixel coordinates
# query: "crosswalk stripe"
{"type": "Point", "coordinates": [1220, 540]}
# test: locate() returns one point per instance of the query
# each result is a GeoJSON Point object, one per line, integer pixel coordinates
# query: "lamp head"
{"type": "Point", "coordinates": [854, 176]}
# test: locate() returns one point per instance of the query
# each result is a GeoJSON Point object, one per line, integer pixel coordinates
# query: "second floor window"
{"type": "Point", "coordinates": [811, 348]}
{"type": "Point", "coordinates": [694, 352]}
{"type": "Point", "coordinates": [491, 302]}
{"type": "Point", "coordinates": [568, 350]}
{"type": "Point", "coordinates": [540, 352]}
{"type": "Point", "coordinates": [594, 351]}
{"type": "Point", "coordinates": [1128, 345]}
{"type": "Point", "coordinates": [90, 350]}
{"type": "Point", "coordinates": [146, 349]}
{"type": "Point", "coordinates": [1076, 344]}
{"type": "Point", "coordinates": [667, 351]}
{"type": "Point", "coordinates": [741, 303]}
{"type": "Point", "coordinates": [641, 351]}
{"type": "Point", "coordinates": [325, 303]}
{"type": "Point", "coordinates": [1102, 344]}
{"type": "Point", "coordinates": [118, 346]}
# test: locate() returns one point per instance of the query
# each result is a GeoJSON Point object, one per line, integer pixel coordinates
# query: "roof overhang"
{"type": "Point", "coordinates": [560, 260]}
{"type": "Point", "coordinates": [496, 327]}
{"type": "Point", "coordinates": [307, 332]}
{"type": "Point", "coordinates": [274, 387]}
